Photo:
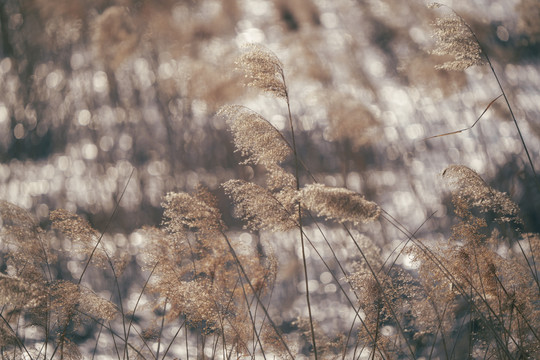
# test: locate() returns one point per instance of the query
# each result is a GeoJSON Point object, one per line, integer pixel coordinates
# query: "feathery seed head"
{"type": "Point", "coordinates": [254, 137]}
{"type": "Point", "coordinates": [260, 208]}
{"type": "Point", "coordinates": [73, 226]}
{"type": "Point", "coordinates": [469, 190]}
{"type": "Point", "coordinates": [12, 216]}
{"type": "Point", "coordinates": [279, 180]}
{"type": "Point", "coordinates": [454, 38]}
{"type": "Point", "coordinates": [339, 204]}
{"type": "Point", "coordinates": [17, 291]}
{"type": "Point", "coordinates": [81, 234]}
{"type": "Point", "coordinates": [64, 298]}
{"type": "Point", "coordinates": [184, 211]}
{"type": "Point", "coordinates": [263, 70]}
{"type": "Point", "coordinates": [95, 305]}
{"type": "Point", "coordinates": [20, 232]}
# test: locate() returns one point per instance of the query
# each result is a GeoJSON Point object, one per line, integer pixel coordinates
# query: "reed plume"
{"type": "Point", "coordinates": [454, 38]}
{"type": "Point", "coordinates": [263, 70]}
{"type": "Point", "coordinates": [338, 204]}
{"type": "Point", "coordinates": [468, 187]}
{"type": "Point", "coordinates": [254, 137]}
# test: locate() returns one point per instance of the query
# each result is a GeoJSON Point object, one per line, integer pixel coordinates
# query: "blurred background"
{"type": "Point", "coordinates": [94, 91]}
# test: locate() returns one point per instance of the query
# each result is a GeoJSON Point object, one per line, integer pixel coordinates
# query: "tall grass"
{"type": "Point", "coordinates": [209, 293]}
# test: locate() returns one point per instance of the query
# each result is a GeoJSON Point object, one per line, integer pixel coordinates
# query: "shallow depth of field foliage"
{"type": "Point", "coordinates": [264, 179]}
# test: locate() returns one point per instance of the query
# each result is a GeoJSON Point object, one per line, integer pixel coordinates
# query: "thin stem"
{"type": "Point", "coordinates": [135, 309]}
{"type": "Point", "coordinates": [469, 127]}
{"type": "Point", "coordinates": [115, 335]}
{"type": "Point", "coordinates": [274, 326]}
{"type": "Point", "coordinates": [187, 343]}
{"type": "Point", "coordinates": [254, 325]}
{"type": "Point", "coordinates": [532, 268]}
{"type": "Point", "coordinates": [98, 337]}
{"type": "Point", "coordinates": [440, 317]}
{"type": "Point", "coordinates": [376, 330]}
{"type": "Point", "coordinates": [297, 176]}
{"type": "Point", "coordinates": [161, 328]}
{"type": "Point", "coordinates": [117, 205]}
{"type": "Point", "coordinates": [20, 344]}
{"type": "Point", "coordinates": [409, 238]}
{"type": "Point", "coordinates": [172, 341]}
{"type": "Point", "coordinates": [114, 342]}
{"type": "Point", "coordinates": [510, 109]}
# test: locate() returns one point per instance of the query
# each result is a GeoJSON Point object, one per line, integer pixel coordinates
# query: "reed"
{"type": "Point", "coordinates": [209, 292]}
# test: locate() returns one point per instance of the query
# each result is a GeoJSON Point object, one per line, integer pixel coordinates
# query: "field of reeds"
{"type": "Point", "coordinates": [267, 179]}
